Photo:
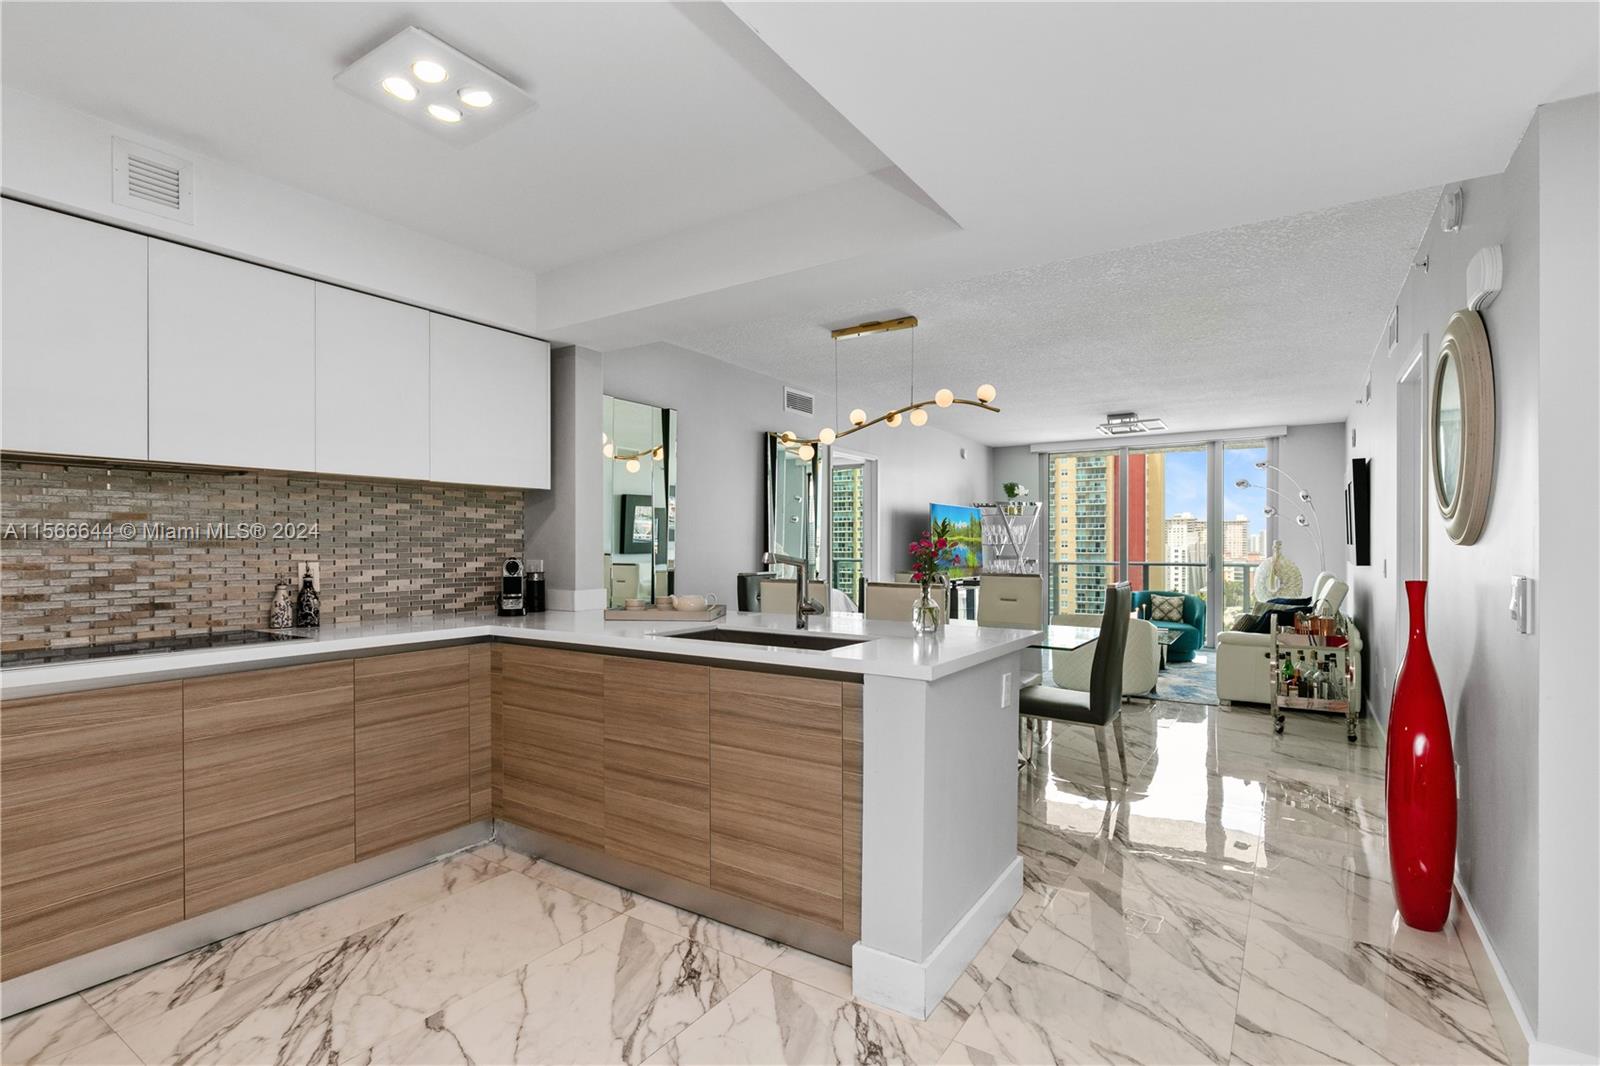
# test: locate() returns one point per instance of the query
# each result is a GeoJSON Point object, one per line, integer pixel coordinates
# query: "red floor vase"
{"type": "Point", "coordinates": [1421, 778]}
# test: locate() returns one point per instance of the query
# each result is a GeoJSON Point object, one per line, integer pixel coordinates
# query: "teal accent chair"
{"type": "Point", "coordinates": [1192, 630]}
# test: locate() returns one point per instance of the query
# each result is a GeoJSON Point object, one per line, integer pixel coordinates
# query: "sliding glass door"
{"type": "Point", "coordinates": [1163, 519]}
{"type": "Point", "coordinates": [1082, 541]}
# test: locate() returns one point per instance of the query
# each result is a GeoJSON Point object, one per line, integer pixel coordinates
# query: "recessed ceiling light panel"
{"type": "Point", "coordinates": [425, 81]}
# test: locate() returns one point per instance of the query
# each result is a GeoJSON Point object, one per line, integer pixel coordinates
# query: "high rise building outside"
{"type": "Point", "coordinates": [848, 530]}
{"type": "Point", "coordinates": [1083, 536]}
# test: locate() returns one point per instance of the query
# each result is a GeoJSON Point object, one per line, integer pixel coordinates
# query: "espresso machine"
{"type": "Point", "coordinates": [513, 586]}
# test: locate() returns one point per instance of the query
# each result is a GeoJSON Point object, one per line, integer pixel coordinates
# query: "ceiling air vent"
{"type": "Point", "coordinates": [801, 402]}
{"type": "Point", "coordinates": [147, 180]}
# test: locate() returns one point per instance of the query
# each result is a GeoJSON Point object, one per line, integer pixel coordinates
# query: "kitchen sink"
{"type": "Point", "coordinates": [768, 638]}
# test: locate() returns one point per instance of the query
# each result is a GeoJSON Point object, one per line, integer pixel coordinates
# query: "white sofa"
{"type": "Point", "coordinates": [1242, 658]}
{"type": "Point", "coordinates": [1140, 662]}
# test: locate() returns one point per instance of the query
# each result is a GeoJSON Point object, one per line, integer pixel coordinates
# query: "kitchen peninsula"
{"type": "Point", "coordinates": [857, 800]}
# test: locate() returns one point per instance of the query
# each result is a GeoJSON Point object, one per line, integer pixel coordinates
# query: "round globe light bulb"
{"type": "Point", "coordinates": [807, 452]}
{"type": "Point", "coordinates": [919, 417]}
{"type": "Point", "coordinates": [1242, 483]}
{"type": "Point", "coordinates": [986, 394]}
{"type": "Point", "coordinates": [858, 417]}
{"type": "Point", "coordinates": [427, 70]}
{"type": "Point", "coordinates": [787, 436]}
{"type": "Point", "coordinates": [827, 436]}
{"type": "Point", "coordinates": [944, 397]}
{"type": "Point", "coordinates": [633, 466]}
{"type": "Point", "coordinates": [1269, 511]}
{"type": "Point", "coordinates": [893, 420]}
{"type": "Point", "coordinates": [609, 450]}
{"type": "Point", "coordinates": [444, 113]}
{"type": "Point", "coordinates": [400, 89]}
{"type": "Point", "coordinates": [1301, 520]}
{"type": "Point", "coordinates": [475, 97]}
{"type": "Point", "coordinates": [659, 453]}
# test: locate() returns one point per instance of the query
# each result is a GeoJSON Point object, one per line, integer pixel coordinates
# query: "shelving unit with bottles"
{"type": "Point", "coordinates": [1311, 673]}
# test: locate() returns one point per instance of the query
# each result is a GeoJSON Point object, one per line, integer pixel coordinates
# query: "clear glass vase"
{"type": "Point", "coordinates": [926, 614]}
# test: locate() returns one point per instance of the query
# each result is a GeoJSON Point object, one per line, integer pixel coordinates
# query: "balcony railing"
{"type": "Point", "coordinates": [1085, 580]}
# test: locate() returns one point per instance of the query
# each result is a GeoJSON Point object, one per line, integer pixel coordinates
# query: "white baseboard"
{"type": "Point", "coordinates": [915, 988]}
{"type": "Point", "coordinates": [1541, 1054]}
{"type": "Point", "coordinates": [1505, 1009]}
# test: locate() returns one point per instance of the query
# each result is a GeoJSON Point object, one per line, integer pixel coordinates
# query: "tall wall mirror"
{"type": "Point", "coordinates": [640, 524]}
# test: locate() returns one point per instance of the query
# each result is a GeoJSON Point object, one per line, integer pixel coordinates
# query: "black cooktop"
{"type": "Point", "coordinates": [216, 638]}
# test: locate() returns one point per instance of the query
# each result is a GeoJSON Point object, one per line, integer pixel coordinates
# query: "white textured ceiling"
{"type": "Point", "coordinates": [1268, 323]}
{"type": "Point", "coordinates": [650, 118]}
{"type": "Point", "coordinates": [734, 179]}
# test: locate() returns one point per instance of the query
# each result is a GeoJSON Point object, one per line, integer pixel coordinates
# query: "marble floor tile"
{"type": "Point", "coordinates": [1177, 878]}
{"type": "Point", "coordinates": [1098, 979]}
{"type": "Point", "coordinates": [772, 1019]}
{"type": "Point", "coordinates": [614, 995]}
{"type": "Point", "coordinates": [813, 970]}
{"type": "Point", "coordinates": [714, 935]}
{"type": "Point", "coordinates": [46, 1034]}
{"type": "Point", "coordinates": [498, 853]}
{"type": "Point", "coordinates": [156, 989]}
{"type": "Point", "coordinates": [349, 996]}
{"type": "Point", "coordinates": [1307, 997]}
{"type": "Point", "coordinates": [958, 1054]}
{"type": "Point", "coordinates": [108, 1050]}
{"type": "Point", "coordinates": [1309, 805]}
{"type": "Point", "coordinates": [1327, 886]}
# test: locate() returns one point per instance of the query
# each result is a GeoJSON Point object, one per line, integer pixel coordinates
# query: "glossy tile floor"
{"type": "Point", "coordinates": [1231, 905]}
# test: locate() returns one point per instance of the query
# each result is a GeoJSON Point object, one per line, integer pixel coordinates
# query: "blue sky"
{"type": "Point", "coordinates": [1186, 484]}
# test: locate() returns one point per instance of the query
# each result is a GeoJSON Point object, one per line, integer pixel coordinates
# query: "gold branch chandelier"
{"type": "Point", "coordinates": [914, 412]}
{"type": "Point", "coordinates": [630, 460]}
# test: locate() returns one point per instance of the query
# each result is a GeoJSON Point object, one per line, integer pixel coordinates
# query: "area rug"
{"type": "Point", "coordinates": [1190, 682]}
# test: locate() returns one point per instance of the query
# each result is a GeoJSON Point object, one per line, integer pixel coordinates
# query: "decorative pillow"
{"type": "Point", "coordinates": [1244, 623]}
{"type": "Point", "coordinates": [1166, 608]}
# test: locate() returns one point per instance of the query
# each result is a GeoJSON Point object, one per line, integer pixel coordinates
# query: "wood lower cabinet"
{"type": "Point", "coordinates": [91, 821]}
{"type": "Point", "coordinates": [411, 747]}
{"type": "Point", "coordinates": [480, 725]}
{"type": "Point", "coordinates": [549, 742]}
{"type": "Point", "coordinates": [851, 775]}
{"type": "Point", "coordinates": [268, 780]}
{"type": "Point", "coordinates": [658, 766]}
{"type": "Point", "coordinates": [777, 797]}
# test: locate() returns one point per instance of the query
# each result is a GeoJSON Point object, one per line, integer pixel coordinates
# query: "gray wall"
{"type": "Point", "coordinates": [723, 412]}
{"type": "Point", "coordinates": [563, 523]}
{"type": "Point", "coordinates": [1489, 674]}
{"type": "Point", "coordinates": [1569, 518]}
{"type": "Point", "coordinates": [1504, 720]}
{"type": "Point", "coordinates": [1314, 456]}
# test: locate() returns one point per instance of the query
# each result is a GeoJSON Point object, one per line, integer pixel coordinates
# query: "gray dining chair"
{"type": "Point", "coordinates": [1101, 706]}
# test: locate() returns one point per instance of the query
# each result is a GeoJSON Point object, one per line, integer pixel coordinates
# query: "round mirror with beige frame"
{"type": "Point", "coordinates": [1461, 427]}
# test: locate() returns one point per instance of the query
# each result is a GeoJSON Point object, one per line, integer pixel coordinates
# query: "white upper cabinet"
{"type": "Point", "coordinates": [372, 386]}
{"type": "Point", "coordinates": [232, 362]}
{"type": "Point", "coordinates": [72, 372]}
{"type": "Point", "coordinates": [490, 413]}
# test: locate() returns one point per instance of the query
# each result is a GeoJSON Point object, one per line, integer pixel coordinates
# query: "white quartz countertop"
{"type": "Point", "coordinates": [890, 650]}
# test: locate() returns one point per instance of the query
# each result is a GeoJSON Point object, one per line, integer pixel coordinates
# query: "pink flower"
{"type": "Point", "coordinates": [942, 543]}
{"type": "Point", "coordinates": [916, 575]}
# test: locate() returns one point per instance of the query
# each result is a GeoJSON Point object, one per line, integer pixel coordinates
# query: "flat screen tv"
{"type": "Point", "coordinates": [966, 533]}
{"type": "Point", "coordinates": [1357, 513]}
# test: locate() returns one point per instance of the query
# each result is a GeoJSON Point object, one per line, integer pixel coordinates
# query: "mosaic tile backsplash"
{"type": "Point", "coordinates": [97, 553]}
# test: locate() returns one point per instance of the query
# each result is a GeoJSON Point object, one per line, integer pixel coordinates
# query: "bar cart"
{"type": "Point", "coordinates": [1311, 672]}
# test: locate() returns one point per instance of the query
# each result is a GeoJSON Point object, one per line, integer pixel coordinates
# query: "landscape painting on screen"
{"type": "Point", "coordinates": [966, 536]}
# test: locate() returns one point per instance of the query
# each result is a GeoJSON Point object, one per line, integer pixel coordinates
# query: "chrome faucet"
{"type": "Point", "coordinates": [804, 605]}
